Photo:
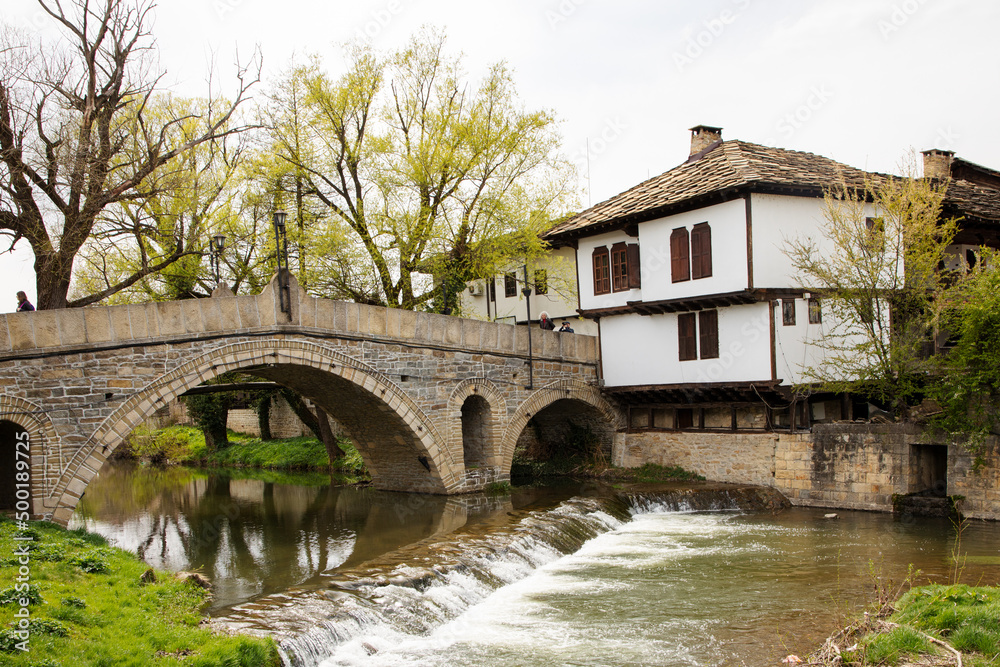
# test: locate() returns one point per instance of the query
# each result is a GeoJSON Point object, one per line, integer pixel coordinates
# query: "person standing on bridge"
{"type": "Point", "coordinates": [23, 305]}
{"type": "Point", "coordinates": [565, 328]}
{"type": "Point", "coordinates": [545, 322]}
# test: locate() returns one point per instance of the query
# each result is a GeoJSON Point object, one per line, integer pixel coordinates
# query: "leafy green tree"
{"type": "Point", "coordinates": [78, 134]}
{"type": "Point", "coordinates": [967, 383]}
{"type": "Point", "coordinates": [198, 196]}
{"type": "Point", "coordinates": [416, 170]}
{"type": "Point", "coordinates": [877, 269]}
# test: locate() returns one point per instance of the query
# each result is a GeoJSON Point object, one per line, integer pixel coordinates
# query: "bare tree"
{"type": "Point", "coordinates": [77, 135]}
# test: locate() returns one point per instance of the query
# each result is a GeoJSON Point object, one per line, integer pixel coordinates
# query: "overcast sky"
{"type": "Point", "coordinates": [860, 81]}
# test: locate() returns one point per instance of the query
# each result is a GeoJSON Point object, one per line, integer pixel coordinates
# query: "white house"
{"type": "Point", "coordinates": [701, 319]}
{"type": "Point", "coordinates": [551, 280]}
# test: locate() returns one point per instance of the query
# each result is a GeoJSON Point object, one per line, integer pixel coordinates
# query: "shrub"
{"type": "Point", "coordinates": [93, 562]}
{"type": "Point", "coordinates": [12, 596]}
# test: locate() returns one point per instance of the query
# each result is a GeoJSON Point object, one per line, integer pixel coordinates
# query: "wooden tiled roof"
{"type": "Point", "coordinates": [729, 168]}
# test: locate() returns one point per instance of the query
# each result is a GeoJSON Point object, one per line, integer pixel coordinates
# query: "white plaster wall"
{"type": "Point", "coordinates": [729, 252]}
{"type": "Point", "coordinates": [560, 303]}
{"type": "Point", "coordinates": [798, 347]}
{"type": "Point", "coordinates": [585, 271]}
{"type": "Point", "coordinates": [777, 220]}
{"type": "Point", "coordinates": [642, 350]}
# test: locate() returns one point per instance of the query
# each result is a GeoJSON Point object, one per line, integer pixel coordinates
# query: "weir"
{"type": "Point", "coordinates": [418, 589]}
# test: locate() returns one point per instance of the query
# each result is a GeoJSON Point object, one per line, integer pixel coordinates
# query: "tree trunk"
{"type": "Point", "coordinates": [264, 418]}
{"type": "Point", "coordinates": [327, 436]}
{"type": "Point", "coordinates": [318, 423]}
{"type": "Point", "coordinates": [52, 278]}
{"type": "Point", "coordinates": [216, 437]}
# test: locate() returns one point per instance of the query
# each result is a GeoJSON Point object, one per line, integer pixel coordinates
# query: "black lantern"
{"type": "Point", "coordinates": [281, 247]}
{"type": "Point", "coordinates": [217, 245]}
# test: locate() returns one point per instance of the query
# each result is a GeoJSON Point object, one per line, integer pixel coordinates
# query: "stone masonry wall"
{"type": "Point", "coordinates": [847, 466]}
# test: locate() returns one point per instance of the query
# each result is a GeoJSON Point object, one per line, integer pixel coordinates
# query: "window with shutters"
{"type": "Point", "coordinates": [619, 267]}
{"type": "Point", "coordinates": [602, 271]}
{"type": "Point", "coordinates": [509, 285]}
{"type": "Point", "coordinates": [680, 260]}
{"type": "Point", "coordinates": [541, 281]}
{"type": "Point", "coordinates": [815, 311]}
{"type": "Point", "coordinates": [788, 312]}
{"type": "Point", "coordinates": [687, 338]}
{"type": "Point", "coordinates": [698, 331]}
{"type": "Point", "coordinates": [701, 251]}
{"type": "Point", "coordinates": [708, 333]}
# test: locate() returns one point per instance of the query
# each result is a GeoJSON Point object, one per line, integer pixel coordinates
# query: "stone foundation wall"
{"type": "Point", "coordinates": [743, 458]}
{"type": "Point", "coordinates": [284, 422]}
{"type": "Point", "coordinates": [846, 466]}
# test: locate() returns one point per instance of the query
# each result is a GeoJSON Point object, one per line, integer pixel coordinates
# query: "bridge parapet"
{"type": "Point", "coordinates": [45, 332]}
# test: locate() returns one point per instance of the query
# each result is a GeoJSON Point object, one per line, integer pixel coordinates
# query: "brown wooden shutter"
{"type": "Point", "coordinates": [708, 333]}
{"type": "Point", "coordinates": [687, 341]}
{"type": "Point", "coordinates": [680, 264]}
{"type": "Point", "coordinates": [701, 251]}
{"type": "Point", "coordinates": [634, 276]}
{"type": "Point", "coordinates": [602, 278]}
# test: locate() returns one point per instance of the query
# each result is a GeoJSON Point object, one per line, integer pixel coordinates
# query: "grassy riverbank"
{"type": "Point", "coordinates": [185, 445]}
{"type": "Point", "coordinates": [87, 605]}
{"type": "Point", "coordinates": [929, 626]}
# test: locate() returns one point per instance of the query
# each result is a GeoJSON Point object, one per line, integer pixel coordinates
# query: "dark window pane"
{"type": "Point", "coordinates": [602, 271]}
{"type": "Point", "coordinates": [815, 311]}
{"type": "Point", "coordinates": [619, 267]}
{"type": "Point", "coordinates": [541, 281]}
{"type": "Point", "coordinates": [509, 285]}
{"type": "Point", "coordinates": [788, 312]}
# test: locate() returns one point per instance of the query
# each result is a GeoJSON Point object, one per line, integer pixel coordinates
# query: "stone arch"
{"type": "Point", "coordinates": [482, 396]}
{"type": "Point", "coordinates": [477, 389]}
{"type": "Point", "coordinates": [46, 457]}
{"type": "Point", "coordinates": [291, 361]}
{"type": "Point", "coordinates": [560, 390]}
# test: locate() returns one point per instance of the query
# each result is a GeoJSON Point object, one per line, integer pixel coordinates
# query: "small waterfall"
{"type": "Point", "coordinates": [414, 590]}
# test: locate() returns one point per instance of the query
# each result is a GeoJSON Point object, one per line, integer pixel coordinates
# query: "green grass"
{"type": "Point", "coordinates": [93, 609]}
{"type": "Point", "coordinates": [889, 648]}
{"type": "Point", "coordinates": [186, 445]}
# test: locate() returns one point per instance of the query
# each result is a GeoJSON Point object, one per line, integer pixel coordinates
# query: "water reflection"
{"type": "Point", "coordinates": [254, 537]}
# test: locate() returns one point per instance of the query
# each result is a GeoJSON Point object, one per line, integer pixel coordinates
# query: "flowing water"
{"type": "Point", "coordinates": [568, 575]}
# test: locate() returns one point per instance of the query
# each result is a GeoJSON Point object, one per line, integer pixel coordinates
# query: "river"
{"type": "Point", "coordinates": [570, 574]}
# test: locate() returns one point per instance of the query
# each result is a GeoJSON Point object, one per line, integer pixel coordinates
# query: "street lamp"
{"type": "Point", "coordinates": [281, 244]}
{"type": "Point", "coordinates": [217, 245]}
{"type": "Point", "coordinates": [526, 291]}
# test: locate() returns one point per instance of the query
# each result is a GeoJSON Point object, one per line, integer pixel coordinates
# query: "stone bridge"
{"type": "Point", "coordinates": [435, 404]}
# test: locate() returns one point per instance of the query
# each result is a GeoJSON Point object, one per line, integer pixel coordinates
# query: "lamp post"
{"type": "Point", "coordinates": [217, 245]}
{"type": "Point", "coordinates": [281, 244]}
{"type": "Point", "coordinates": [526, 291]}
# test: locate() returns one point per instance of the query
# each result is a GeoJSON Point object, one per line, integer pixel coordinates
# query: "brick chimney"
{"type": "Point", "coordinates": [937, 163]}
{"type": "Point", "coordinates": [703, 136]}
